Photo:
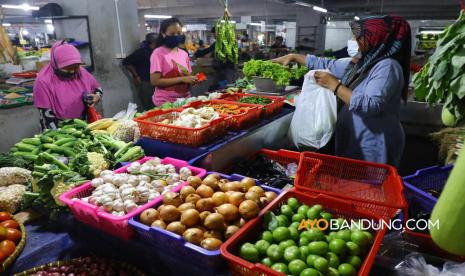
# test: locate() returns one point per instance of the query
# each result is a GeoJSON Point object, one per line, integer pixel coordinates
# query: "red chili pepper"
{"type": "Point", "coordinates": [201, 77]}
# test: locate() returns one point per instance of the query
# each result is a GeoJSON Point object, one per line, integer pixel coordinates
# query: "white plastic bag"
{"type": "Point", "coordinates": [315, 115]}
{"type": "Point", "coordinates": [416, 265]}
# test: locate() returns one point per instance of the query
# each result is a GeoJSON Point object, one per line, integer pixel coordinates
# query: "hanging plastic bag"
{"type": "Point", "coordinates": [92, 114]}
{"type": "Point", "coordinates": [315, 115]}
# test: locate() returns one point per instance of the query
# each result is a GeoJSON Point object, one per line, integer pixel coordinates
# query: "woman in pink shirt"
{"type": "Point", "coordinates": [170, 69]}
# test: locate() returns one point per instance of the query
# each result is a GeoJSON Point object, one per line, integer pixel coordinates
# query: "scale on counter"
{"type": "Point", "coordinates": [288, 90]}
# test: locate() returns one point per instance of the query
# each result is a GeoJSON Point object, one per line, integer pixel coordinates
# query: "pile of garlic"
{"type": "Point", "coordinates": [194, 118]}
{"type": "Point", "coordinates": [121, 193]}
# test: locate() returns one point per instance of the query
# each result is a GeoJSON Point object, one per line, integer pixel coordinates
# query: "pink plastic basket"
{"type": "Point", "coordinates": [115, 225]}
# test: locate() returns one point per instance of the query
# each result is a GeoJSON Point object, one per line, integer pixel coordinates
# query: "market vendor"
{"type": "Point", "coordinates": [63, 87]}
{"type": "Point", "coordinates": [370, 87]}
{"type": "Point", "coordinates": [170, 69]}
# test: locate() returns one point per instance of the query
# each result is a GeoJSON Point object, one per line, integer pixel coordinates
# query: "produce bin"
{"type": "Point", "coordinates": [268, 110]}
{"type": "Point", "coordinates": [150, 126]}
{"type": "Point", "coordinates": [175, 245]}
{"type": "Point", "coordinates": [240, 121]}
{"type": "Point", "coordinates": [251, 231]}
{"type": "Point", "coordinates": [115, 225]}
{"type": "Point", "coordinates": [371, 186]}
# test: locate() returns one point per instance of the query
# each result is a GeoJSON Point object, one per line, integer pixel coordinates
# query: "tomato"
{"type": "Point", "coordinates": [343, 235]}
{"type": "Point", "coordinates": [354, 249]}
{"type": "Point", "coordinates": [267, 261]}
{"type": "Point", "coordinates": [287, 210]}
{"type": "Point", "coordinates": [2, 257]}
{"type": "Point", "coordinates": [338, 246]}
{"type": "Point", "coordinates": [318, 248]}
{"type": "Point", "coordinates": [249, 252]}
{"type": "Point", "coordinates": [13, 235]}
{"type": "Point", "coordinates": [321, 264]}
{"type": "Point", "coordinates": [294, 203]}
{"type": "Point", "coordinates": [294, 233]}
{"type": "Point", "coordinates": [2, 233]}
{"type": "Point", "coordinates": [7, 247]}
{"type": "Point", "coordinates": [346, 270]}
{"type": "Point", "coordinates": [360, 238]}
{"type": "Point", "coordinates": [292, 253]}
{"type": "Point", "coordinates": [4, 216]}
{"type": "Point", "coordinates": [303, 209]}
{"type": "Point", "coordinates": [274, 252]}
{"type": "Point", "coordinates": [262, 246]}
{"type": "Point", "coordinates": [267, 236]}
{"type": "Point", "coordinates": [309, 272]}
{"type": "Point", "coordinates": [10, 224]}
{"type": "Point", "coordinates": [280, 267]}
{"type": "Point", "coordinates": [281, 234]}
{"type": "Point", "coordinates": [296, 266]}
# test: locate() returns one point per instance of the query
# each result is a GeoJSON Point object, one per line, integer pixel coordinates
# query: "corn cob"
{"type": "Point", "coordinates": [101, 124]}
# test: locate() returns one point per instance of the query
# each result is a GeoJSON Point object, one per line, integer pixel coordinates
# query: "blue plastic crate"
{"type": "Point", "coordinates": [418, 184]}
{"type": "Point", "coordinates": [170, 243]}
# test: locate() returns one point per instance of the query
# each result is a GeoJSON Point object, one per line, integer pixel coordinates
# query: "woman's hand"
{"type": "Point", "coordinates": [326, 80]}
{"type": "Point", "coordinates": [95, 99]}
{"type": "Point", "coordinates": [284, 60]}
{"type": "Point", "coordinates": [189, 80]}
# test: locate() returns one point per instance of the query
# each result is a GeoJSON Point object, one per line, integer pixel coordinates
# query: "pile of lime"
{"type": "Point", "coordinates": [308, 251]}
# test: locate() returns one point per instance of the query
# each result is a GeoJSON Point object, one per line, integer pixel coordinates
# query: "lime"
{"type": "Point", "coordinates": [318, 248]}
{"type": "Point", "coordinates": [354, 249]}
{"type": "Point", "coordinates": [304, 251]}
{"type": "Point", "coordinates": [296, 266]}
{"type": "Point", "coordinates": [331, 236]}
{"type": "Point", "coordinates": [312, 213]}
{"type": "Point", "coordinates": [262, 246]}
{"type": "Point", "coordinates": [355, 261]}
{"type": "Point", "coordinates": [309, 272]}
{"type": "Point", "coordinates": [287, 243]}
{"type": "Point", "coordinates": [311, 259]}
{"type": "Point", "coordinates": [344, 235]}
{"type": "Point", "coordinates": [321, 264]}
{"type": "Point", "coordinates": [317, 207]}
{"type": "Point", "coordinates": [294, 203]}
{"type": "Point", "coordinates": [294, 233]}
{"type": "Point", "coordinates": [280, 267]}
{"type": "Point", "coordinates": [337, 246]}
{"type": "Point", "coordinates": [267, 236]}
{"type": "Point", "coordinates": [346, 270]}
{"type": "Point", "coordinates": [303, 241]}
{"type": "Point", "coordinates": [303, 209]}
{"type": "Point", "coordinates": [327, 216]}
{"type": "Point", "coordinates": [287, 211]}
{"type": "Point", "coordinates": [267, 261]}
{"type": "Point", "coordinates": [295, 225]}
{"type": "Point", "coordinates": [359, 238]}
{"type": "Point", "coordinates": [281, 233]}
{"type": "Point", "coordinates": [274, 252]}
{"type": "Point", "coordinates": [282, 220]}
{"type": "Point", "coordinates": [332, 272]}
{"type": "Point", "coordinates": [315, 234]}
{"type": "Point", "coordinates": [369, 236]}
{"type": "Point", "coordinates": [249, 252]}
{"type": "Point", "coordinates": [291, 253]}
{"type": "Point", "coordinates": [333, 259]}
{"type": "Point", "coordinates": [298, 218]}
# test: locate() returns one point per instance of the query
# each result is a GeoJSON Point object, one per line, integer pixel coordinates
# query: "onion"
{"type": "Point", "coordinates": [193, 198]}
{"type": "Point", "coordinates": [214, 221]}
{"type": "Point", "coordinates": [169, 213]}
{"type": "Point", "coordinates": [212, 234]}
{"type": "Point", "coordinates": [186, 206]}
{"type": "Point", "coordinates": [204, 215]}
{"type": "Point", "coordinates": [252, 196]}
{"type": "Point", "coordinates": [149, 216]}
{"type": "Point", "coordinates": [194, 181]}
{"type": "Point", "coordinates": [264, 201]}
{"type": "Point", "coordinates": [219, 198]}
{"type": "Point", "coordinates": [258, 190]}
{"type": "Point", "coordinates": [230, 230]}
{"type": "Point", "coordinates": [185, 191]}
{"type": "Point", "coordinates": [190, 217]}
{"type": "Point", "coordinates": [247, 183]}
{"type": "Point", "coordinates": [204, 191]}
{"type": "Point", "coordinates": [211, 244]}
{"type": "Point", "coordinates": [249, 209]}
{"type": "Point", "coordinates": [205, 204]}
{"type": "Point", "coordinates": [159, 224]}
{"type": "Point", "coordinates": [232, 186]}
{"type": "Point", "coordinates": [229, 211]}
{"type": "Point", "coordinates": [215, 176]}
{"type": "Point", "coordinates": [211, 182]}
{"type": "Point", "coordinates": [236, 198]}
{"type": "Point", "coordinates": [176, 227]}
{"type": "Point", "coordinates": [193, 235]}
{"type": "Point", "coordinates": [270, 196]}
{"type": "Point", "coordinates": [171, 198]}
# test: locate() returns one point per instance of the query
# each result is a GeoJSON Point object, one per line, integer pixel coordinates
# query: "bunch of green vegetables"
{"type": "Point", "coordinates": [244, 83]}
{"type": "Point", "coordinates": [442, 79]}
{"type": "Point", "coordinates": [226, 48]}
{"type": "Point", "coordinates": [280, 74]}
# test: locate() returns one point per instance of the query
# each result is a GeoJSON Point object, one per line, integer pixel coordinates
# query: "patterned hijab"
{"type": "Point", "coordinates": [386, 37]}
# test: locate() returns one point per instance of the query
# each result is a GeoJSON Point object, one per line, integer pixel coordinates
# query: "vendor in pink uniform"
{"type": "Point", "coordinates": [62, 86]}
{"type": "Point", "coordinates": [170, 69]}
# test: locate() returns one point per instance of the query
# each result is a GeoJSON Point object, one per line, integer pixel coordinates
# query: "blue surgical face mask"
{"type": "Point", "coordinates": [172, 41]}
{"type": "Point", "coordinates": [353, 50]}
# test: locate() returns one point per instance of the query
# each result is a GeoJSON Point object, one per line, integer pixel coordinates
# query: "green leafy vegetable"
{"type": "Point", "coordinates": [278, 73]}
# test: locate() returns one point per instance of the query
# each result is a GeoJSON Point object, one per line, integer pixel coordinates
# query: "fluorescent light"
{"type": "Point", "coordinates": [50, 28]}
{"type": "Point", "coordinates": [24, 6]}
{"type": "Point", "coordinates": [356, 18]}
{"type": "Point", "coordinates": [320, 9]}
{"type": "Point", "coordinates": [184, 29]}
{"type": "Point", "coordinates": [25, 32]}
{"type": "Point", "coordinates": [156, 16]}
{"type": "Point", "coordinates": [146, 24]}
{"type": "Point", "coordinates": [230, 21]}
{"type": "Point", "coordinates": [305, 4]}
{"type": "Point", "coordinates": [6, 24]}
{"type": "Point", "coordinates": [254, 24]}
{"type": "Point", "coordinates": [431, 32]}
{"type": "Point", "coordinates": [48, 21]}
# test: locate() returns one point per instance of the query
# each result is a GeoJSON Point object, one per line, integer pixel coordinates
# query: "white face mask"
{"type": "Point", "coordinates": [352, 49]}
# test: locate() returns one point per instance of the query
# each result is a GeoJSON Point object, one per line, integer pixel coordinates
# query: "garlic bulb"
{"type": "Point", "coordinates": [160, 169]}
{"type": "Point", "coordinates": [97, 182]}
{"type": "Point", "coordinates": [184, 173]}
{"type": "Point", "coordinates": [108, 178]}
{"type": "Point", "coordinates": [106, 172]}
{"type": "Point", "coordinates": [153, 195]}
{"type": "Point", "coordinates": [173, 178]}
{"type": "Point", "coordinates": [147, 169]}
{"type": "Point", "coordinates": [144, 178]}
{"type": "Point", "coordinates": [154, 162]}
{"type": "Point", "coordinates": [108, 206]}
{"type": "Point", "coordinates": [170, 168]}
{"type": "Point", "coordinates": [133, 180]}
{"type": "Point", "coordinates": [118, 205]}
{"type": "Point", "coordinates": [129, 206]}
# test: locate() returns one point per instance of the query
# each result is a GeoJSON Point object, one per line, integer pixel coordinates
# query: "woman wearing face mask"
{"type": "Point", "coordinates": [370, 86]}
{"type": "Point", "coordinates": [170, 69]}
{"type": "Point", "coordinates": [63, 88]}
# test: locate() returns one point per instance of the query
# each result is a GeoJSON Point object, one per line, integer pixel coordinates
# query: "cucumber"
{"type": "Point", "coordinates": [69, 144]}
{"type": "Point", "coordinates": [31, 141]}
{"type": "Point", "coordinates": [25, 155]}
{"type": "Point", "coordinates": [63, 141]}
{"type": "Point", "coordinates": [52, 147]}
{"type": "Point", "coordinates": [45, 139]}
{"type": "Point", "coordinates": [36, 151]}
{"type": "Point", "coordinates": [25, 147]}
{"type": "Point", "coordinates": [68, 152]}
{"type": "Point", "coordinates": [13, 149]}
{"type": "Point", "coordinates": [80, 123]}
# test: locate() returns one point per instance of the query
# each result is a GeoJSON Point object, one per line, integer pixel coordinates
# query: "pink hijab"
{"type": "Point", "coordinates": [63, 96]}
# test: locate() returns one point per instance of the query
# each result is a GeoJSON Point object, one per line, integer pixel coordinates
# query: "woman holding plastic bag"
{"type": "Point", "coordinates": [371, 87]}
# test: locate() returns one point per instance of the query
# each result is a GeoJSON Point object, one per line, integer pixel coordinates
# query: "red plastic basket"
{"type": "Point", "coordinates": [115, 225]}
{"type": "Point", "coordinates": [240, 121]}
{"type": "Point", "coordinates": [251, 231]}
{"type": "Point", "coordinates": [268, 110]}
{"type": "Point", "coordinates": [371, 186]}
{"type": "Point", "coordinates": [150, 126]}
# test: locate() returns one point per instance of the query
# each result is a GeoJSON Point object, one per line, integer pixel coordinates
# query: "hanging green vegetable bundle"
{"type": "Point", "coordinates": [442, 79]}
{"type": "Point", "coordinates": [226, 45]}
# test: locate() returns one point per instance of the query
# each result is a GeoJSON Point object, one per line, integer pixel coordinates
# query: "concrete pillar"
{"type": "Point", "coordinates": [118, 90]}
{"type": "Point", "coordinates": [309, 26]}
